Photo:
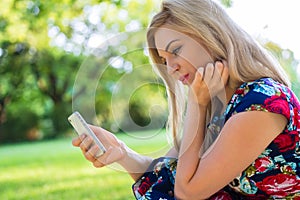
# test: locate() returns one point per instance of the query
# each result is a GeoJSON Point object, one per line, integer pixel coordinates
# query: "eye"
{"type": "Point", "coordinates": [176, 51]}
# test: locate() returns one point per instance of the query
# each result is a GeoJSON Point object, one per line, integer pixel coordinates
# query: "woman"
{"type": "Point", "coordinates": [236, 93]}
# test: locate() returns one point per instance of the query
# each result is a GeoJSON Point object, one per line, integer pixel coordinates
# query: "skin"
{"type": "Point", "coordinates": [197, 177]}
{"type": "Point", "coordinates": [180, 54]}
{"type": "Point", "coordinates": [200, 177]}
{"type": "Point", "coordinates": [117, 151]}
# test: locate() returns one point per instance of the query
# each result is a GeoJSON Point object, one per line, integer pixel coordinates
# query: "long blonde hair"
{"type": "Point", "coordinates": [222, 37]}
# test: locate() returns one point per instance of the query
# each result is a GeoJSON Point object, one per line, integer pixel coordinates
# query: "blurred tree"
{"type": "Point", "coordinates": [226, 3]}
{"type": "Point", "coordinates": [288, 62]}
{"type": "Point", "coordinates": [62, 53]}
{"type": "Point", "coordinates": [17, 88]}
{"type": "Point", "coordinates": [43, 44]}
{"type": "Point", "coordinates": [55, 76]}
{"type": "Point", "coordinates": [30, 64]}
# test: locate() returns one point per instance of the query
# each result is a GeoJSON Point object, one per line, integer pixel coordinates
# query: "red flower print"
{"type": "Point", "coordinates": [285, 142]}
{"type": "Point", "coordinates": [292, 132]}
{"type": "Point", "coordinates": [221, 195]}
{"type": "Point", "coordinates": [296, 118]}
{"type": "Point", "coordinates": [295, 100]}
{"type": "Point", "coordinates": [256, 107]}
{"type": "Point", "coordinates": [279, 185]}
{"type": "Point", "coordinates": [262, 164]}
{"type": "Point", "coordinates": [278, 104]}
{"type": "Point", "coordinates": [144, 187]}
{"type": "Point", "coordinates": [240, 91]}
{"type": "Point", "coordinates": [286, 169]}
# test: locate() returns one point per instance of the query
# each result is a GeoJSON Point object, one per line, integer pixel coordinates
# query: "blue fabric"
{"type": "Point", "coordinates": [157, 183]}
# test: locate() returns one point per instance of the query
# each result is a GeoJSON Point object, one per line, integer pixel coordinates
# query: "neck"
{"type": "Point", "coordinates": [229, 92]}
{"type": "Point", "coordinates": [230, 88]}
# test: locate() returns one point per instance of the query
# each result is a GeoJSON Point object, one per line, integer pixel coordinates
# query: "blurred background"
{"type": "Point", "coordinates": [60, 55]}
{"type": "Point", "coordinates": [43, 44]}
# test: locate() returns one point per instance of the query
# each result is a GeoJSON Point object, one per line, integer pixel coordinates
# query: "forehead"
{"type": "Point", "coordinates": [164, 35]}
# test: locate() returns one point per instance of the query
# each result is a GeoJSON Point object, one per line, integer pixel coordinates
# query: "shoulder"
{"type": "Point", "coordinates": [263, 94]}
{"type": "Point", "coordinates": [264, 88]}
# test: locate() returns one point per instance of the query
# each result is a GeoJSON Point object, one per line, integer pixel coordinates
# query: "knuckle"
{"type": "Point", "coordinates": [87, 138]}
{"type": "Point", "coordinates": [98, 164]}
{"type": "Point", "coordinates": [83, 144]}
{"type": "Point", "coordinates": [89, 156]}
{"type": "Point", "coordinates": [82, 147]}
{"type": "Point", "coordinates": [76, 142]}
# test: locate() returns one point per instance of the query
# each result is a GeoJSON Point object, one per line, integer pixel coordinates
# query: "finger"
{"type": "Point", "coordinates": [102, 160]}
{"type": "Point", "coordinates": [218, 72]}
{"type": "Point", "coordinates": [209, 71]}
{"type": "Point", "coordinates": [108, 157]}
{"type": "Point", "coordinates": [78, 140]}
{"type": "Point", "coordinates": [220, 67]}
{"type": "Point", "coordinates": [98, 164]}
{"type": "Point", "coordinates": [93, 153]}
{"type": "Point", "coordinates": [94, 128]}
{"type": "Point", "coordinates": [99, 132]}
{"type": "Point", "coordinates": [86, 143]}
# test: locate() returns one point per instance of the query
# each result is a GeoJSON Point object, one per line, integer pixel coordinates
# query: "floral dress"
{"type": "Point", "coordinates": [275, 174]}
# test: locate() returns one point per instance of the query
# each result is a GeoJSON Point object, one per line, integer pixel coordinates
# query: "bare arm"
{"type": "Point", "coordinates": [199, 177]}
{"type": "Point", "coordinates": [235, 149]}
{"type": "Point", "coordinates": [192, 140]}
{"type": "Point", "coordinates": [172, 153]}
{"type": "Point", "coordinates": [135, 164]}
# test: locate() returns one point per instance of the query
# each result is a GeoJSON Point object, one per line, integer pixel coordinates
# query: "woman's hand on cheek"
{"type": "Point", "coordinates": [209, 82]}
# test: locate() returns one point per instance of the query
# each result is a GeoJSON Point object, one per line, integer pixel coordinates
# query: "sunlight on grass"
{"type": "Point", "coordinates": [56, 170]}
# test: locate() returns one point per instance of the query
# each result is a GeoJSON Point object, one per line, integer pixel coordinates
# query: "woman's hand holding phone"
{"type": "Point", "coordinates": [114, 148]}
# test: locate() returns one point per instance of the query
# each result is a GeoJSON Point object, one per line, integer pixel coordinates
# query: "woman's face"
{"type": "Point", "coordinates": [182, 54]}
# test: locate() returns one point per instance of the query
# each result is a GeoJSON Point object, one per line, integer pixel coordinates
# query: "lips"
{"type": "Point", "coordinates": [184, 79]}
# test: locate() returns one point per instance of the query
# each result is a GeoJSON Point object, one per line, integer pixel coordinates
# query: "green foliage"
{"type": "Point", "coordinates": [226, 3]}
{"type": "Point", "coordinates": [21, 126]}
{"type": "Point", "coordinates": [147, 108]}
{"type": "Point", "coordinates": [61, 55]}
{"type": "Point", "coordinates": [43, 43]}
{"type": "Point", "coordinates": [288, 62]}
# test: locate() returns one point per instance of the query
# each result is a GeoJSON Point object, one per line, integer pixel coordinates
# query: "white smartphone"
{"type": "Point", "coordinates": [80, 126]}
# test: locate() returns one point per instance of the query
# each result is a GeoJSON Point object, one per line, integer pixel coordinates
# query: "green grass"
{"type": "Point", "coordinates": [56, 170]}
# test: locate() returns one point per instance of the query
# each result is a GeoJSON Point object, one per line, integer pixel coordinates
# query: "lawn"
{"type": "Point", "coordinates": [56, 170]}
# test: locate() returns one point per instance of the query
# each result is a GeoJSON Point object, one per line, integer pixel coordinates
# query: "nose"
{"type": "Point", "coordinates": [172, 66]}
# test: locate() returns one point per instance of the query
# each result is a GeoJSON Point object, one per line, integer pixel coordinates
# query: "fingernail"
{"type": "Point", "coordinates": [200, 70]}
{"type": "Point", "coordinates": [99, 153]}
{"type": "Point", "coordinates": [82, 136]}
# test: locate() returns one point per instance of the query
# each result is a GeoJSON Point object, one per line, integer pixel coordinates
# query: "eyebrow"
{"type": "Point", "coordinates": [167, 47]}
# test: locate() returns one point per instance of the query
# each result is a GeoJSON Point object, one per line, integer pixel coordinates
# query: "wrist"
{"type": "Point", "coordinates": [199, 101]}
{"type": "Point", "coordinates": [124, 152]}
{"type": "Point", "coordinates": [134, 163]}
{"type": "Point", "coordinates": [195, 105]}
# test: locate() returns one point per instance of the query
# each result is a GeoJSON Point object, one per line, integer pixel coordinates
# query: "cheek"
{"type": "Point", "coordinates": [198, 56]}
